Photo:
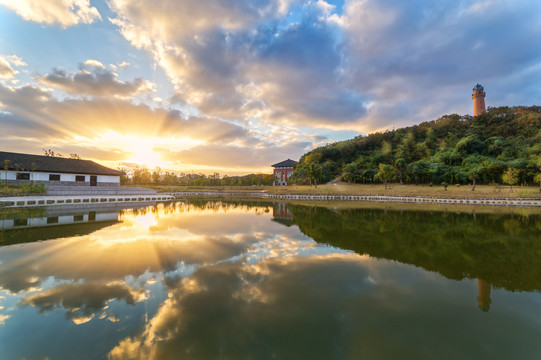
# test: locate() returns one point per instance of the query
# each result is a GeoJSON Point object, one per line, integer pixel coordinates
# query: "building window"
{"type": "Point", "coordinates": [79, 178]}
{"type": "Point", "coordinates": [23, 176]}
{"type": "Point", "coordinates": [54, 177]}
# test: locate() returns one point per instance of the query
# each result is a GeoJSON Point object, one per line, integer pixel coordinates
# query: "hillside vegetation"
{"type": "Point", "coordinates": [500, 146]}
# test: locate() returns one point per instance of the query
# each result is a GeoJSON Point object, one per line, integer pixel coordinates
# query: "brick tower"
{"type": "Point", "coordinates": [478, 97]}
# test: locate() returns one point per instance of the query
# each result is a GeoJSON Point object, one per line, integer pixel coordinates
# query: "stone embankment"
{"type": "Point", "coordinates": [85, 195]}
{"type": "Point", "coordinates": [37, 201]}
{"type": "Point", "coordinates": [370, 198]}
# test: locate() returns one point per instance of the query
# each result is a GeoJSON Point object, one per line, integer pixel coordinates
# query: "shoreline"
{"type": "Point", "coordinates": [514, 202]}
{"type": "Point", "coordinates": [39, 201]}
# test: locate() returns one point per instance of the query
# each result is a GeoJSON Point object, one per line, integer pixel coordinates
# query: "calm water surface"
{"type": "Point", "coordinates": [249, 280]}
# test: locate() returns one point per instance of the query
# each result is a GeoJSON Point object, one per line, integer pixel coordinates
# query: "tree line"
{"type": "Point", "coordinates": [141, 175]}
{"type": "Point", "coordinates": [501, 146]}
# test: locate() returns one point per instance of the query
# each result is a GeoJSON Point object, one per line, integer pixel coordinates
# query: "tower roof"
{"type": "Point", "coordinates": [478, 87]}
{"type": "Point", "coordinates": [285, 163]}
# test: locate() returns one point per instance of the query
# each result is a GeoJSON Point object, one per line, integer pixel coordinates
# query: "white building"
{"type": "Point", "coordinates": [18, 168]}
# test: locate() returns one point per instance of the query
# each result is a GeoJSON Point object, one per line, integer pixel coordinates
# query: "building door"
{"type": "Point", "coordinates": [93, 180]}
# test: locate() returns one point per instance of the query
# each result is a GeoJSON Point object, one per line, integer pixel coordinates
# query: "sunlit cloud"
{"type": "Point", "coordinates": [63, 12]}
{"type": "Point", "coordinates": [247, 77]}
{"type": "Point", "coordinates": [6, 71]}
{"type": "Point", "coordinates": [81, 301]}
{"type": "Point", "coordinates": [94, 79]}
{"type": "Point", "coordinates": [3, 318]}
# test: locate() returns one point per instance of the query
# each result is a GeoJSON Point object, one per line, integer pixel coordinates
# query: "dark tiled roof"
{"type": "Point", "coordinates": [53, 164]}
{"type": "Point", "coordinates": [285, 163]}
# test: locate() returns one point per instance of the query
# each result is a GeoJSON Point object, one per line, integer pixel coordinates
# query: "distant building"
{"type": "Point", "coordinates": [20, 168]}
{"type": "Point", "coordinates": [283, 171]}
{"type": "Point", "coordinates": [478, 97]}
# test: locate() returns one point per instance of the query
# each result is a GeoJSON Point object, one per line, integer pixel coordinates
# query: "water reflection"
{"type": "Point", "coordinates": [502, 249]}
{"type": "Point", "coordinates": [204, 280]}
{"type": "Point", "coordinates": [484, 295]}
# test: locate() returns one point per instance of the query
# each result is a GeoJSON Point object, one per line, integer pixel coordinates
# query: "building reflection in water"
{"type": "Point", "coordinates": [483, 300]}
{"type": "Point", "coordinates": [282, 215]}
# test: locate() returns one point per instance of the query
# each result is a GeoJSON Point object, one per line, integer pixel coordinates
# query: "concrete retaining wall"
{"type": "Point", "coordinates": [37, 201]}
{"type": "Point", "coordinates": [372, 198]}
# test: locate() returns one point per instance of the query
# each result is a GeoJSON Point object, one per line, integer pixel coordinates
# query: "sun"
{"type": "Point", "coordinates": [146, 156]}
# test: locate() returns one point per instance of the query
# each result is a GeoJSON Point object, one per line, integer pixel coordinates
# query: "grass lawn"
{"type": "Point", "coordinates": [463, 191]}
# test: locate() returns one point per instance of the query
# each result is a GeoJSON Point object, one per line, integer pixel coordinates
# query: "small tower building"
{"type": "Point", "coordinates": [478, 97]}
{"type": "Point", "coordinates": [283, 171]}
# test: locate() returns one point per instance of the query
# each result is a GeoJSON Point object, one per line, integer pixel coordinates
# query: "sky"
{"type": "Point", "coordinates": [233, 86]}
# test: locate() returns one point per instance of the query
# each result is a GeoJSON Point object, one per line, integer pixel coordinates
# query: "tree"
{"type": "Point", "coordinates": [385, 173]}
{"type": "Point", "coordinates": [473, 167]}
{"type": "Point", "coordinates": [400, 165]}
{"type": "Point", "coordinates": [124, 179]}
{"type": "Point", "coordinates": [537, 162]}
{"type": "Point", "coordinates": [510, 177]}
{"type": "Point", "coordinates": [156, 175]}
{"type": "Point", "coordinates": [313, 168]}
{"type": "Point", "coordinates": [49, 152]}
{"type": "Point", "coordinates": [141, 175]}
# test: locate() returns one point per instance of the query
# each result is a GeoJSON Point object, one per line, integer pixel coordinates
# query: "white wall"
{"type": "Point", "coordinates": [108, 179]}
{"type": "Point", "coordinates": [11, 175]}
{"type": "Point", "coordinates": [44, 176]}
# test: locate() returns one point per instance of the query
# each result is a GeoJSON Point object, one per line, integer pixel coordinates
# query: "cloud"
{"type": "Point", "coordinates": [3, 318]}
{"type": "Point", "coordinates": [110, 129]}
{"type": "Point", "coordinates": [95, 80]}
{"type": "Point", "coordinates": [247, 303]}
{"type": "Point", "coordinates": [6, 62]}
{"type": "Point", "coordinates": [94, 258]}
{"type": "Point", "coordinates": [35, 112]}
{"type": "Point", "coordinates": [82, 301]}
{"type": "Point", "coordinates": [232, 156]}
{"type": "Point", "coordinates": [250, 63]}
{"type": "Point", "coordinates": [419, 62]}
{"type": "Point", "coordinates": [6, 71]}
{"type": "Point", "coordinates": [366, 65]}
{"type": "Point", "coordinates": [63, 12]}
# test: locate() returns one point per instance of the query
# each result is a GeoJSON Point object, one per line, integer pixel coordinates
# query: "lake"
{"type": "Point", "coordinates": [268, 280]}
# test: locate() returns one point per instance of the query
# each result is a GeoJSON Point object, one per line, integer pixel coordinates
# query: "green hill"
{"type": "Point", "coordinates": [452, 149]}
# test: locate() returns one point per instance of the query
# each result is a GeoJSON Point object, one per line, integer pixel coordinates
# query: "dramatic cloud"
{"type": "Point", "coordinates": [247, 303]}
{"type": "Point", "coordinates": [255, 66]}
{"type": "Point", "coordinates": [94, 79]}
{"type": "Point", "coordinates": [113, 129]}
{"type": "Point", "coordinates": [243, 82]}
{"type": "Point", "coordinates": [108, 256]}
{"type": "Point", "coordinates": [366, 65]}
{"type": "Point", "coordinates": [63, 12]}
{"type": "Point", "coordinates": [419, 62]}
{"type": "Point", "coordinates": [34, 112]}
